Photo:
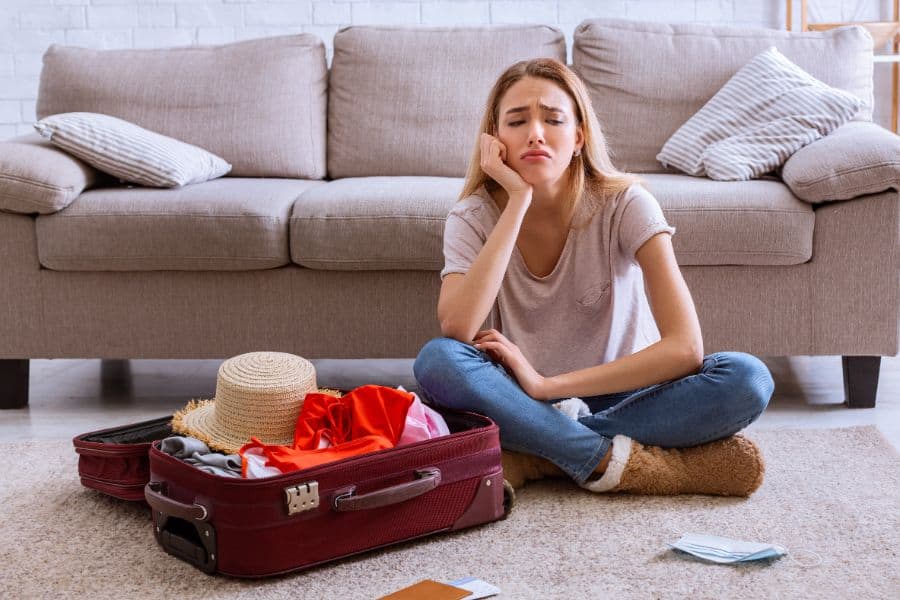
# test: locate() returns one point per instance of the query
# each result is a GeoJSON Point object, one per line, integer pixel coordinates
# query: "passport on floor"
{"type": "Point", "coordinates": [428, 589]}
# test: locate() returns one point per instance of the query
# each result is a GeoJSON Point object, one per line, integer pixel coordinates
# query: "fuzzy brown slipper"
{"type": "Point", "coordinates": [518, 468]}
{"type": "Point", "coordinates": [733, 466]}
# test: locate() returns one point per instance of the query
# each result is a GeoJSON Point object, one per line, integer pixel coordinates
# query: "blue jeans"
{"type": "Point", "coordinates": [731, 390]}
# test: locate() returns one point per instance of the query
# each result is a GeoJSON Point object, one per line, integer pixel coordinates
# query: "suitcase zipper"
{"type": "Point", "coordinates": [127, 450]}
{"type": "Point", "coordinates": [106, 482]}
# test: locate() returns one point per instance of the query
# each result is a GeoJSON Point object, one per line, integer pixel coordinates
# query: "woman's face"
{"type": "Point", "coordinates": [537, 126]}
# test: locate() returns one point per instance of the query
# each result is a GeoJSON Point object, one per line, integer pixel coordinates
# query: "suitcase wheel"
{"type": "Point", "coordinates": [509, 498]}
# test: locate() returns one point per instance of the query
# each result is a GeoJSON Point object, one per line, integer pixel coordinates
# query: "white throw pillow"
{"type": "Point", "coordinates": [129, 152]}
{"type": "Point", "coordinates": [767, 111]}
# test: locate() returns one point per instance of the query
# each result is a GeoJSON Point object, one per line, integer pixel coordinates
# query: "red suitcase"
{"type": "Point", "coordinates": [115, 461]}
{"type": "Point", "coordinates": [261, 527]}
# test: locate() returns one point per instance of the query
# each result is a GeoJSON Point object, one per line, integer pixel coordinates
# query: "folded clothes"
{"type": "Point", "coordinates": [181, 446]}
{"type": "Point", "coordinates": [228, 465]}
{"type": "Point", "coordinates": [196, 453]}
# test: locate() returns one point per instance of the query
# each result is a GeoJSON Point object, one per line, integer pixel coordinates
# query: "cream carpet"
{"type": "Point", "coordinates": [832, 497]}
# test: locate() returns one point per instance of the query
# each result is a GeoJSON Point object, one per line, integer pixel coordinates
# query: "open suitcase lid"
{"type": "Point", "coordinates": [115, 460]}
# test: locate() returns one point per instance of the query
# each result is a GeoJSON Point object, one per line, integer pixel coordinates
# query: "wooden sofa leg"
{"type": "Point", "coordinates": [13, 383]}
{"type": "Point", "coordinates": [860, 380]}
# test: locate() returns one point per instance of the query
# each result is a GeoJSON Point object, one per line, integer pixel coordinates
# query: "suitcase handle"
{"type": "Point", "coordinates": [427, 479]}
{"type": "Point", "coordinates": [162, 503]}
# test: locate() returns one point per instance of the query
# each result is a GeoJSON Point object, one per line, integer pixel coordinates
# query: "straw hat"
{"type": "Point", "coordinates": [258, 394]}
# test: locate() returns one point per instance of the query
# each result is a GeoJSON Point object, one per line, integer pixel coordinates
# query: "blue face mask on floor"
{"type": "Point", "coordinates": [724, 550]}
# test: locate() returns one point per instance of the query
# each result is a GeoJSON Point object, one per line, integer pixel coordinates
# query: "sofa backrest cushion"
{"type": "Point", "coordinates": [409, 100]}
{"type": "Point", "coordinates": [259, 104]}
{"type": "Point", "coordinates": [648, 79]}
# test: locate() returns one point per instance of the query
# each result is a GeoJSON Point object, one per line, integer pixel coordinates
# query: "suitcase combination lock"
{"type": "Point", "coordinates": [302, 497]}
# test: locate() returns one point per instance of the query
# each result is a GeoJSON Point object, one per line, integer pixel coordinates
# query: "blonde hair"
{"type": "Point", "coordinates": [591, 170]}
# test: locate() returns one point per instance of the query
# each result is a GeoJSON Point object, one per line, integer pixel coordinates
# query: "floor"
{"type": "Point", "coordinates": [69, 397]}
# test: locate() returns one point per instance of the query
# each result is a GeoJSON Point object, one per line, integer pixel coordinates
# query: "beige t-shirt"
{"type": "Point", "coordinates": [592, 308]}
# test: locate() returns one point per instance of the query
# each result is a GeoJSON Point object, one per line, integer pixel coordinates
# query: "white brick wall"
{"type": "Point", "coordinates": [576, 11]}
{"type": "Point", "coordinates": [715, 11]}
{"type": "Point", "coordinates": [52, 17]}
{"type": "Point", "coordinates": [460, 12]}
{"type": "Point", "coordinates": [10, 112]}
{"type": "Point", "coordinates": [660, 10]}
{"type": "Point", "coordinates": [330, 13]}
{"type": "Point", "coordinates": [387, 12]}
{"type": "Point", "coordinates": [209, 15]}
{"type": "Point", "coordinates": [27, 27]}
{"type": "Point", "coordinates": [274, 14]}
{"type": "Point", "coordinates": [6, 65]}
{"type": "Point", "coordinates": [525, 11]}
{"type": "Point", "coordinates": [112, 17]}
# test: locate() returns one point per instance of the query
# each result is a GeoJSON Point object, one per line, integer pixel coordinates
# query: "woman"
{"type": "Point", "coordinates": [556, 246]}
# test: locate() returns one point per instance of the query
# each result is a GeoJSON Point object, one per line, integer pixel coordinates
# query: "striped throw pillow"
{"type": "Point", "coordinates": [767, 111]}
{"type": "Point", "coordinates": [131, 153]}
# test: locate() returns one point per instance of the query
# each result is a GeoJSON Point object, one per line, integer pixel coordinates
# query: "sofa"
{"type": "Point", "coordinates": [325, 239]}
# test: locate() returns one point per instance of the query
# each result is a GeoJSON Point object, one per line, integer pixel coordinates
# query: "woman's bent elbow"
{"type": "Point", "coordinates": [693, 361]}
{"type": "Point", "coordinates": [454, 331]}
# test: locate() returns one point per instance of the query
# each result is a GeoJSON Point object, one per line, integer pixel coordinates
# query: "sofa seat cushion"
{"type": "Point", "coordinates": [373, 223]}
{"type": "Point", "coordinates": [757, 222]}
{"type": "Point", "coordinates": [223, 225]}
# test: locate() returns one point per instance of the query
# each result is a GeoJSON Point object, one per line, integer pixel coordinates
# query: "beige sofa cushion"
{"type": "Point", "coordinates": [647, 79]}
{"type": "Point", "coordinates": [757, 222]}
{"type": "Point", "coordinates": [37, 177]}
{"type": "Point", "coordinates": [373, 223]}
{"type": "Point", "coordinates": [856, 159]}
{"type": "Point", "coordinates": [259, 104]}
{"type": "Point", "coordinates": [227, 224]}
{"type": "Point", "coordinates": [408, 101]}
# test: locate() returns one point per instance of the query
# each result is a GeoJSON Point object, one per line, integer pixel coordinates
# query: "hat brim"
{"type": "Point", "coordinates": [197, 420]}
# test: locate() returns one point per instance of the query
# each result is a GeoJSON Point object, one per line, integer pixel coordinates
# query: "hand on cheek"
{"type": "Point", "coordinates": [494, 155]}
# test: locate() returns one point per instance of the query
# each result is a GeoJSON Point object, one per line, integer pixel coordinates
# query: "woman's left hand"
{"type": "Point", "coordinates": [499, 348]}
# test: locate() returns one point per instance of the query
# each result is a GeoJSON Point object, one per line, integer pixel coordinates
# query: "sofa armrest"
{"type": "Point", "coordinates": [856, 159]}
{"type": "Point", "coordinates": [37, 177]}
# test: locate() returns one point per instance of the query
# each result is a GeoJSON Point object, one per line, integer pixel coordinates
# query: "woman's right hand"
{"type": "Point", "coordinates": [493, 163]}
